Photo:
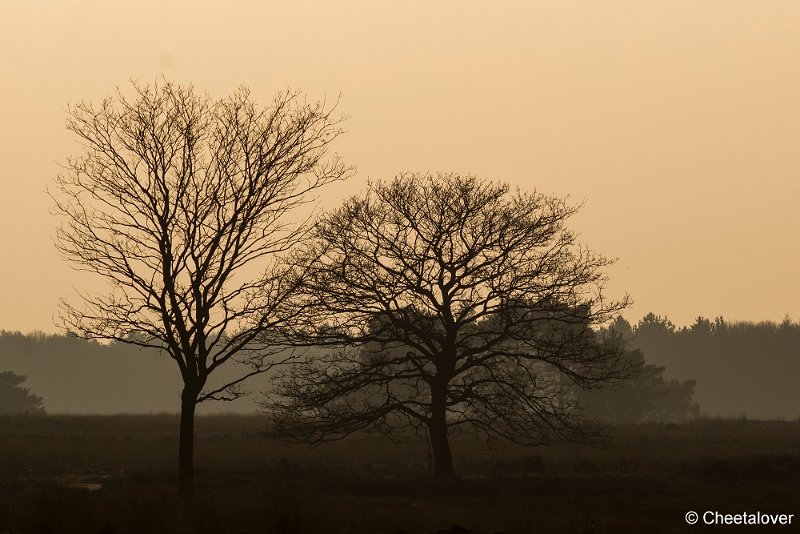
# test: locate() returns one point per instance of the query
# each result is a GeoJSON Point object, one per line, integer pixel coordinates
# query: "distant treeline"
{"type": "Point", "coordinates": [77, 376]}
{"type": "Point", "coordinates": [740, 368]}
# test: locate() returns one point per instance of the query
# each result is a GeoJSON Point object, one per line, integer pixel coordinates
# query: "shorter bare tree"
{"type": "Point", "coordinates": [182, 204]}
{"type": "Point", "coordinates": [447, 301]}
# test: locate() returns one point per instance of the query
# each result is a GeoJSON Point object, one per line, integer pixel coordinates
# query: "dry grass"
{"type": "Point", "coordinates": [644, 481]}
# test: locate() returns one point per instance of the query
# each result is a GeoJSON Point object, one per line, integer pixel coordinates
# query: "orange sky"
{"type": "Point", "coordinates": [677, 121]}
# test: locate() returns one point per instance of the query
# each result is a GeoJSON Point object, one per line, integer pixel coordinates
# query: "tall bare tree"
{"type": "Point", "coordinates": [445, 301]}
{"type": "Point", "coordinates": [182, 203]}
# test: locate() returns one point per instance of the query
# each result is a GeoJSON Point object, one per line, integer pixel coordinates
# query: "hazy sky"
{"type": "Point", "coordinates": [677, 121]}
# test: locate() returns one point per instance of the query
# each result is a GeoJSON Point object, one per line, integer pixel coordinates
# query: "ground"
{"type": "Point", "coordinates": [86, 474]}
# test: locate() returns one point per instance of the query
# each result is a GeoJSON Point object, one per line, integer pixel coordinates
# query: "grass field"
{"type": "Point", "coordinates": [116, 474]}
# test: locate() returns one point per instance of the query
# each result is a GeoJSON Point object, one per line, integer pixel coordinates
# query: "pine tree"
{"type": "Point", "coordinates": [16, 399]}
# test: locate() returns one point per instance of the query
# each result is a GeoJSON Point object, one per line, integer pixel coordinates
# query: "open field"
{"type": "Point", "coordinates": [112, 474]}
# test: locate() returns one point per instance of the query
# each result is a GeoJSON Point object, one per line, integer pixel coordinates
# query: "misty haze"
{"type": "Point", "coordinates": [419, 268]}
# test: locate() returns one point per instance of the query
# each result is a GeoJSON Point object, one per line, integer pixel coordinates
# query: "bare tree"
{"type": "Point", "coordinates": [182, 204]}
{"type": "Point", "coordinates": [447, 301]}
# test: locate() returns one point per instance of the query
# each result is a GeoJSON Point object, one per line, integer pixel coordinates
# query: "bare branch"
{"type": "Point", "coordinates": [178, 200]}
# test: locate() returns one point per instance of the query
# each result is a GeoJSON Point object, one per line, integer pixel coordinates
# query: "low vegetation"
{"type": "Point", "coordinates": [115, 474]}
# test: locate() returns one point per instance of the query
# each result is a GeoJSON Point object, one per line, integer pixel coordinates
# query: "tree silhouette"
{"type": "Point", "coordinates": [446, 301]}
{"type": "Point", "coordinates": [648, 397]}
{"type": "Point", "coordinates": [739, 367]}
{"type": "Point", "coordinates": [16, 399]}
{"type": "Point", "coordinates": [176, 201]}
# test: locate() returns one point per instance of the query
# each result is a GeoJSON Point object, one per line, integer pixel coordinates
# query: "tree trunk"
{"type": "Point", "coordinates": [437, 429]}
{"type": "Point", "coordinates": [186, 440]}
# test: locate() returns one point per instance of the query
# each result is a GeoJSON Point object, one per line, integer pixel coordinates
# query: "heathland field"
{"type": "Point", "coordinates": [111, 474]}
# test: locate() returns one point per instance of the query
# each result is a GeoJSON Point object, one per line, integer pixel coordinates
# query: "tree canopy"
{"type": "Point", "coordinates": [182, 203]}
{"type": "Point", "coordinates": [447, 301]}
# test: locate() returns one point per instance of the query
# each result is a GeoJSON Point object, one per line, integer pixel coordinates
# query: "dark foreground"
{"type": "Point", "coordinates": [65, 474]}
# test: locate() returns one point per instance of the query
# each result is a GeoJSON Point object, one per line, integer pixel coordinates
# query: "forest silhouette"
{"type": "Point", "coordinates": [742, 369]}
{"type": "Point", "coordinates": [739, 369]}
